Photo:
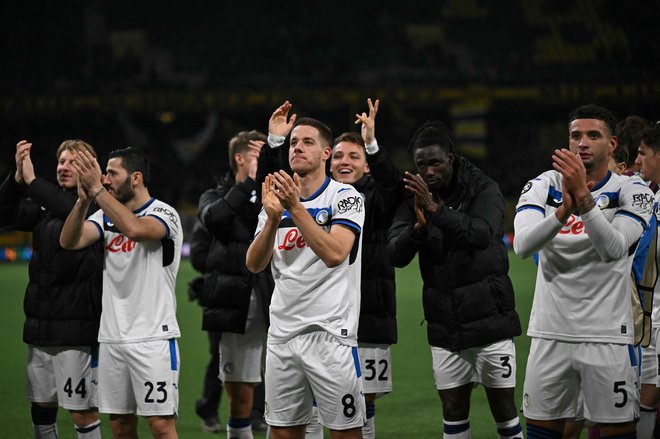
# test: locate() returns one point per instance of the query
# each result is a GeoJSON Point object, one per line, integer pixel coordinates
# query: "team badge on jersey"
{"type": "Point", "coordinates": [322, 216]}
{"type": "Point", "coordinates": [602, 201]}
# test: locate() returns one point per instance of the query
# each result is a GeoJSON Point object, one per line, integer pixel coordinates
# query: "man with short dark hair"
{"type": "Point", "coordinates": [585, 222]}
{"type": "Point", "coordinates": [138, 352]}
{"type": "Point", "coordinates": [454, 218]}
{"type": "Point", "coordinates": [309, 232]}
{"type": "Point", "coordinates": [358, 160]}
{"type": "Point", "coordinates": [236, 301]}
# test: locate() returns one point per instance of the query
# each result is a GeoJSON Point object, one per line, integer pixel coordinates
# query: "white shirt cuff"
{"type": "Point", "coordinates": [275, 141]}
{"type": "Point", "coordinates": [372, 148]}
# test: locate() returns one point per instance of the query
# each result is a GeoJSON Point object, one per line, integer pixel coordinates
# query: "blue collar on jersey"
{"type": "Point", "coordinates": [144, 206]}
{"type": "Point", "coordinates": [601, 183]}
{"type": "Point", "coordinates": [318, 191]}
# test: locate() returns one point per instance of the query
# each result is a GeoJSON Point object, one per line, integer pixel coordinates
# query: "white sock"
{"type": "Point", "coordinates": [646, 423]}
{"type": "Point", "coordinates": [239, 433]}
{"type": "Point", "coordinates": [91, 431]}
{"type": "Point", "coordinates": [369, 429]}
{"type": "Point", "coordinates": [510, 429]}
{"type": "Point", "coordinates": [457, 429]}
{"type": "Point", "coordinates": [45, 431]}
{"type": "Point", "coordinates": [314, 429]}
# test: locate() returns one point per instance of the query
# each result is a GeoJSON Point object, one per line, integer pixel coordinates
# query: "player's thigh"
{"type": "Point", "coordinates": [41, 385]}
{"type": "Point", "coordinates": [289, 397]}
{"type": "Point", "coordinates": [76, 377]}
{"type": "Point", "coordinates": [241, 356]}
{"type": "Point", "coordinates": [333, 371]}
{"type": "Point", "coordinates": [376, 367]}
{"type": "Point", "coordinates": [552, 385]}
{"type": "Point", "coordinates": [609, 383]}
{"type": "Point", "coordinates": [496, 364]}
{"type": "Point", "coordinates": [154, 369]}
{"type": "Point", "coordinates": [452, 369]}
{"type": "Point", "coordinates": [115, 392]}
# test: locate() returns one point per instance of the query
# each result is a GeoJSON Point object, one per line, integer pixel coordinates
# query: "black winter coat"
{"type": "Point", "coordinates": [383, 192]}
{"type": "Point", "coordinates": [63, 298]}
{"type": "Point", "coordinates": [468, 297]}
{"type": "Point", "coordinates": [230, 212]}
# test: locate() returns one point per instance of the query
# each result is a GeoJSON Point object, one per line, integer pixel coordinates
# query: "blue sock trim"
{"type": "Point", "coordinates": [89, 428]}
{"type": "Point", "coordinates": [44, 415]}
{"type": "Point", "coordinates": [371, 411]}
{"type": "Point", "coordinates": [456, 429]}
{"type": "Point", "coordinates": [511, 431]}
{"type": "Point", "coordinates": [534, 432]}
{"type": "Point", "coordinates": [239, 422]}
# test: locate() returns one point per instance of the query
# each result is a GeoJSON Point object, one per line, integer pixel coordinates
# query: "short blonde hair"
{"type": "Point", "coordinates": [74, 145]}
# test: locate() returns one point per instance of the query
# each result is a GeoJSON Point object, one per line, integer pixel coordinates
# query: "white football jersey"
{"type": "Point", "coordinates": [307, 293]}
{"type": "Point", "coordinates": [655, 314]}
{"type": "Point", "coordinates": [579, 297]}
{"type": "Point", "coordinates": [139, 279]}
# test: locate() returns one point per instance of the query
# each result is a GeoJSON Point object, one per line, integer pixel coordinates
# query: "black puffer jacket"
{"type": "Point", "coordinates": [230, 213]}
{"type": "Point", "coordinates": [468, 296]}
{"type": "Point", "coordinates": [383, 191]}
{"type": "Point", "coordinates": [63, 298]}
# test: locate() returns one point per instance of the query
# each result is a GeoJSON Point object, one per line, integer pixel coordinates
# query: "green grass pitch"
{"type": "Point", "coordinates": [411, 410]}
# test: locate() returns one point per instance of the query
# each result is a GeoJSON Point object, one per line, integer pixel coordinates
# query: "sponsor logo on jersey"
{"type": "Point", "coordinates": [292, 239]}
{"type": "Point", "coordinates": [165, 328]}
{"type": "Point", "coordinates": [348, 203]}
{"type": "Point", "coordinates": [169, 213]}
{"type": "Point", "coordinates": [120, 243]}
{"type": "Point", "coordinates": [573, 226]}
{"type": "Point", "coordinates": [643, 201]}
{"type": "Point", "coordinates": [527, 187]}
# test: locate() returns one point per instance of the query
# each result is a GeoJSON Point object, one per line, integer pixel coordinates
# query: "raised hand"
{"type": "Point", "coordinates": [368, 129]}
{"type": "Point", "coordinates": [287, 189]}
{"type": "Point", "coordinates": [269, 200]}
{"type": "Point", "coordinates": [278, 123]}
{"type": "Point", "coordinates": [22, 151]}
{"type": "Point", "coordinates": [423, 198]}
{"type": "Point", "coordinates": [254, 147]}
{"type": "Point", "coordinates": [574, 181]}
{"type": "Point", "coordinates": [89, 171]}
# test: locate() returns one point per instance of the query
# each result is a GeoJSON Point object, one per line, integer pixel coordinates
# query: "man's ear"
{"type": "Point", "coordinates": [136, 178]}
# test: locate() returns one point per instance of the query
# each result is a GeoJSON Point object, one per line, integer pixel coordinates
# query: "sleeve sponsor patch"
{"type": "Point", "coordinates": [353, 202]}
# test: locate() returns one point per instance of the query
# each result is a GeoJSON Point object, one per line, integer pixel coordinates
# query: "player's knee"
{"type": "Point", "coordinates": [44, 415]}
{"type": "Point", "coordinates": [84, 418]}
{"type": "Point", "coordinates": [455, 404]}
{"type": "Point", "coordinates": [160, 425]}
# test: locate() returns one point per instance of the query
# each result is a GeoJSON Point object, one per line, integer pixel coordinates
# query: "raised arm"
{"type": "Point", "coordinates": [76, 232]}
{"type": "Point", "coordinates": [135, 228]}
{"type": "Point", "coordinates": [261, 250]}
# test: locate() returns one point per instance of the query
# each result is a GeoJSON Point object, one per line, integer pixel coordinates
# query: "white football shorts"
{"type": "Point", "coordinates": [557, 371]}
{"type": "Point", "coordinates": [242, 356]}
{"type": "Point", "coordinates": [492, 365]}
{"type": "Point", "coordinates": [376, 365]}
{"type": "Point", "coordinates": [314, 366]}
{"type": "Point", "coordinates": [650, 365]}
{"type": "Point", "coordinates": [66, 375]}
{"type": "Point", "coordinates": [140, 378]}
